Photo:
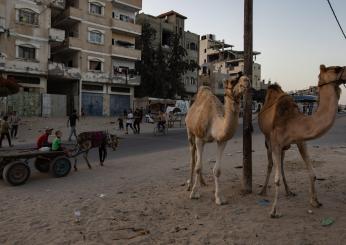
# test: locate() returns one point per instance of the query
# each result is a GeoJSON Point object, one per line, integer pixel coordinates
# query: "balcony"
{"type": "Point", "coordinates": [133, 80]}
{"type": "Point", "coordinates": [69, 16]}
{"type": "Point", "coordinates": [60, 70]}
{"type": "Point", "coordinates": [132, 5]}
{"type": "Point", "coordinates": [69, 44]}
{"type": "Point", "coordinates": [60, 4]}
{"type": "Point", "coordinates": [56, 35]}
{"type": "Point", "coordinates": [2, 24]}
{"type": "Point", "coordinates": [126, 27]}
{"type": "Point", "coordinates": [2, 61]}
{"type": "Point", "coordinates": [127, 53]}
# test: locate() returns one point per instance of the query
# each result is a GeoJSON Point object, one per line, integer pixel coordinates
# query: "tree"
{"type": "Point", "coordinates": [145, 67]}
{"type": "Point", "coordinates": [8, 86]}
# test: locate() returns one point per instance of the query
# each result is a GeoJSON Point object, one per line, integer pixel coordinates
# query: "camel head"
{"type": "Point", "coordinates": [332, 74]}
{"type": "Point", "coordinates": [235, 88]}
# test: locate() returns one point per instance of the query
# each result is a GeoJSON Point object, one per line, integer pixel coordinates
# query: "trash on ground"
{"type": "Point", "coordinates": [263, 202]}
{"type": "Point", "coordinates": [327, 221]}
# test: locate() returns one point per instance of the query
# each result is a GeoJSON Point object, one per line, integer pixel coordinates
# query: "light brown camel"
{"type": "Point", "coordinates": [207, 121]}
{"type": "Point", "coordinates": [283, 125]}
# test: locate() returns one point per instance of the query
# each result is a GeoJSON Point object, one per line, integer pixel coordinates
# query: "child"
{"type": "Point", "coordinates": [56, 144]}
{"type": "Point", "coordinates": [121, 123]}
{"type": "Point", "coordinates": [5, 131]}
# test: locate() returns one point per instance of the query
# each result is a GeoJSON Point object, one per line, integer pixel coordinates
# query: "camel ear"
{"type": "Point", "coordinates": [323, 68]}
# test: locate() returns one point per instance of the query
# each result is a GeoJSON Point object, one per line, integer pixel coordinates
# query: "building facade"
{"type": "Point", "coordinates": [165, 26]}
{"type": "Point", "coordinates": [220, 61]}
{"type": "Point", "coordinates": [81, 50]}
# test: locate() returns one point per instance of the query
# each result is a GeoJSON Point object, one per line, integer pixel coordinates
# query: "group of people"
{"type": "Point", "coordinates": [55, 145]}
{"type": "Point", "coordinates": [9, 127]}
{"type": "Point", "coordinates": [133, 121]}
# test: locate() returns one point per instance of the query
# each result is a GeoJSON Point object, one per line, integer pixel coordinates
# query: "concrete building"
{"type": "Point", "coordinates": [72, 53]}
{"type": "Point", "coordinates": [165, 25]}
{"type": "Point", "coordinates": [218, 59]}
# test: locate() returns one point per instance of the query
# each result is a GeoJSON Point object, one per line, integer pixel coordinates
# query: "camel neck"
{"type": "Point", "coordinates": [322, 120]}
{"type": "Point", "coordinates": [230, 117]}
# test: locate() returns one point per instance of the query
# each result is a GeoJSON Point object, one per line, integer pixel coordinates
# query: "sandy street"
{"type": "Point", "coordinates": [140, 197]}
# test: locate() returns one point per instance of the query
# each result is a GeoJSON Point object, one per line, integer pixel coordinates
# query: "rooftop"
{"type": "Point", "coordinates": [169, 13]}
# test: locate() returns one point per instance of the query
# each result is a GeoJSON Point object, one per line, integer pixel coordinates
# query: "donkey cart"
{"type": "Point", "coordinates": [15, 169]}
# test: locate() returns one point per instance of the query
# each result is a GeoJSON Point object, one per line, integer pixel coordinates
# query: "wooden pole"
{"type": "Point", "coordinates": [247, 119]}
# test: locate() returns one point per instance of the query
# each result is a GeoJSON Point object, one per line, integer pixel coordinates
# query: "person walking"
{"type": "Point", "coordinates": [14, 122]}
{"type": "Point", "coordinates": [5, 131]}
{"type": "Point", "coordinates": [72, 120]}
{"type": "Point", "coordinates": [137, 121]}
{"type": "Point", "coordinates": [129, 122]}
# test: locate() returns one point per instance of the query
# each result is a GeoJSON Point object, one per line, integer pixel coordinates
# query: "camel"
{"type": "Point", "coordinates": [282, 125]}
{"type": "Point", "coordinates": [208, 120]}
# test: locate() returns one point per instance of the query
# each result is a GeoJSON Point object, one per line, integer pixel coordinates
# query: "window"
{"type": "Point", "coordinates": [96, 37]}
{"type": "Point", "coordinates": [92, 87]}
{"type": "Point", "coordinates": [96, 8]}
{"type": "Point", "coordinates": [27, 16]}
{"type": "Point", "coordinates": [193, 46]}
{"type": "Point", "coordinates": [126, 18]}
{"type": "Point", "coordinates": [120, 90]}
{"type": "Point", "coordinates": [95, 65]}
{"type": "Point", "coordinates": [205, 50]}
{"type": "Point", "coordinates": [25, 52]}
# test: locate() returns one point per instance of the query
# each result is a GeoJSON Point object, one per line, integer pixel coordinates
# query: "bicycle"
{"type": "Point", "coordinates": [160, 131]}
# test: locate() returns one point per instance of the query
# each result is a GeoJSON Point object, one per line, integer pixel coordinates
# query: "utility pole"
{"type": "Point", "coordinates": [247, 119]}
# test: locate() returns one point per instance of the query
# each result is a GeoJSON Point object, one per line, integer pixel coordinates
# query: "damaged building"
{"type": "Point", "coordinates": [220, 61]}
{"type": "Point", "coordinates": [70, 54]}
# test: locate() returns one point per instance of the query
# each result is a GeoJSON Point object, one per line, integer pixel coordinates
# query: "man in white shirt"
{"type": "Point", "coordinates": [129, 121]}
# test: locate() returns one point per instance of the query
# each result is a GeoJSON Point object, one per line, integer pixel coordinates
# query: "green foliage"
{"type": "Point", "coordinates": [162, 72]}
{"type": "Point", "coordinates": [8, 86]}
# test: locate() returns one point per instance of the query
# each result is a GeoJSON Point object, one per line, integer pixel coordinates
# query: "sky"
{"type": "Point", "coordinates": [294, 37]}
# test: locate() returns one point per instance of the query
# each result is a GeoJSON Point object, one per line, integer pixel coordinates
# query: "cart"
{"type": "Point", "coordinates": [15, 169]}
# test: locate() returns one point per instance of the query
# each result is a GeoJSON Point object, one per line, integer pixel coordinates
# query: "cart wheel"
{"type": "Point", "coordinates": [16, 173]}
{"type": "Point", "coordinates": [60, 167]}
{"type": "Point", "coordinates": [42, 164]}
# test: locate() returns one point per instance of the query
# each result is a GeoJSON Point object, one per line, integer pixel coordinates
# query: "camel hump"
{"type": "Point", "coordinates": [285, 110]}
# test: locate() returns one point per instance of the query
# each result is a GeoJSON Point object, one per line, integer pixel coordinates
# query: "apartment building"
{"type": "Point", "coordinates": [166, 25]}
{"type": "Point", "coordinates": [82, 50]}
{"type": "Point", "coordinates": [221, 61]}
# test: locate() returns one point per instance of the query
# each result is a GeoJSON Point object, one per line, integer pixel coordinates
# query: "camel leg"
{"type": "Point", "coordinates": [193, 160]}
{"type": "Point", "coordinates": [219, 200]}
{"type": "Point", "coordinates": [304, 153]}
{"type": "Point", "coordinates": [277, 161]}
{"type": "Point", "coordinates": [263, 192]}
{"type": "Point", "coordinates": [85, 155]}
{"type": "Point", "coordinates": [199, 147]}
{"type": "Point", "coordinates": [287, 189]}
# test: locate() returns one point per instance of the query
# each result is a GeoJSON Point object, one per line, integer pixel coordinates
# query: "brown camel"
{"type": "Point", "coordinates": [207, 121]}
{"type": "Point", "coordinates": [283, 125]}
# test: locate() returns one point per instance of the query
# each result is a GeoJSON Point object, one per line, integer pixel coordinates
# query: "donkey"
{"type": "Point", "coordinates": [100, 139]}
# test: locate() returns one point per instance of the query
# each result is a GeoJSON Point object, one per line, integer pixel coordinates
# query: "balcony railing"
{"type": "Point", "coordinates": [2, 24]}
{"type": "Point", "coordinates": [70, 15]}
{"type": "Point", "coordinates": [134, 80]}
{"type": "Point", "coordinates": [60, 70]}
{"type": "Point", "coordinates": [2, 62]}
{"type": "Point", "coordinates": [134, 4]}
{"type": "Point", "coordinates": [126, 27]}
{"type": "Point", "coordinates": [127, 53]}
{"type": "Point", "coordinates": [56, 35]}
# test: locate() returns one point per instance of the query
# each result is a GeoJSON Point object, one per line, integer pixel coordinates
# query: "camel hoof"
{"type": "Point", "coordinates": [290, 194]}
{"type": "Point", "coordinates": [275, 215]}
{"type": "Point", "coordinates": [220, 201]}
{"type": "Point", "coordinates": [195, 195]}
{"type": "Point", "coordinates": [316, 204]}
